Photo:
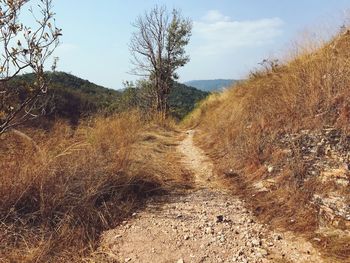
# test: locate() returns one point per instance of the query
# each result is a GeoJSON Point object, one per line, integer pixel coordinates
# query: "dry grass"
{"type": "Point", "coordinates": [240, 128]}
{"type": "Point", "coordinates": [60, 189]}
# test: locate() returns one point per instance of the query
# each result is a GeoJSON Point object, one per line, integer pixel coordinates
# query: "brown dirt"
{"type": "Point", "coordinates": [200, 225]}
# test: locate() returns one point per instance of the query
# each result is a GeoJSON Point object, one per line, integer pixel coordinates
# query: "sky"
{"type": "Point", "coordinates": [229, 37]}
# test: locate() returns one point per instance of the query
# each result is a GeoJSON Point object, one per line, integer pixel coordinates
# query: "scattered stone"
{"type": "Point", "coordinates": [222, 239]}
{"type": "Point", "coordinates": [255, 242]}
{"type": "Point", "coordinates": [270, 168]}
{"type": "Point", "coordinates": [209, 230]}
{"type": "Point", "coordinates": [261, 252]}
{"type": "Point", "coordinates": [231, 173]}
{"type": "Point", "coordinates": [219, 219]}
{"type": "Point", "coordinates": [178, 216]}
{"type": "Point", "coordinates": [167, 220]}
{"type": "Point", "coordinates": [278, 237]}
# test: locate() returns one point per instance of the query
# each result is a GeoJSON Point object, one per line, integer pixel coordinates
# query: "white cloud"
{"type": "Point", "coordinates": [214, 16]}
{"type": "Point", "coordinates": [66, 48]}
{"type": "Point", "coordinates": [218, 34]}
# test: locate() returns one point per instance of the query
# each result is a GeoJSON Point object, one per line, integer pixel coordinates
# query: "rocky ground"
{"type": "Point", "coordinates": [202, 225]}
{"type": "Point", "coordinates": [326, 154]}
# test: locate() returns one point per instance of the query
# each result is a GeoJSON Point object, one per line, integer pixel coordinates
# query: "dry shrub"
{"type": "Point", "coordinates": [240, 128]}
{"type": "Point", "coordinates": [62, 188]}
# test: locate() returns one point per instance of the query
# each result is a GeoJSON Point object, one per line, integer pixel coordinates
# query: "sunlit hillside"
{"type": "Point", "coordinates": [250, 163]}
{"type": "Point", "coordinates": [281, 140]}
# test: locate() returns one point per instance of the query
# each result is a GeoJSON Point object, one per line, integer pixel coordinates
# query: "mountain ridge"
{"type": "Point", "coordinates": [72, 97]}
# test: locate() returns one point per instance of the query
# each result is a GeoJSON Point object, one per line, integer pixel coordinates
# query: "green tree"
{"type": "Point", "coordinates": [158, 50]}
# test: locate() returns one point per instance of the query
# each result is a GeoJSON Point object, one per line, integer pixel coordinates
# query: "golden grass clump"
{"type": "Point", "coordinates": [59, 189]}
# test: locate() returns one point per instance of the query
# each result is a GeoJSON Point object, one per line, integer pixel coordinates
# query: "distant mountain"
{"type": "Point", "coordinates": [212, 84]}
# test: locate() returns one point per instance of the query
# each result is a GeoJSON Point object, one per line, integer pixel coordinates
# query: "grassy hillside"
{"type": "Point", "coordinates": [281, 139]}
{"type": "Point", "coordinates": [73, 98]}
{"type": "Point", "coordinates": [212, 84]}
{"type": "Point", "coordinates": [183, 99]}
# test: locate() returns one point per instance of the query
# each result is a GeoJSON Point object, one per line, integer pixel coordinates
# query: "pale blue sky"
{"type": "Point", "coordinates": [229, 36]}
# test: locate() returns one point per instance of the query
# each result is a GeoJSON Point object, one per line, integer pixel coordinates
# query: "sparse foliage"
{"type": "Point", "coordinates": [158, 50]}
{"type": "Point", "coordinates": [24, 48]}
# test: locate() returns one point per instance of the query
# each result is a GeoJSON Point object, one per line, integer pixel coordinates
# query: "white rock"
{"type": "Point", "coordinates": [260, 252]}
{"type": "Point", "coordinates": [278, 237]}
{"type": "Point", "coordinates": [255, 242]}
{"type": "Point", "coordinates": [209, 230]}
{"type": "Point", "coordinates": [270, 168]}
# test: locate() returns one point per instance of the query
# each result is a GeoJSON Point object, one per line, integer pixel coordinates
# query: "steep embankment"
{"type": "Point", "coordinates": [283, 137]}
{"type": "Point", "coordinates": [205, 224]}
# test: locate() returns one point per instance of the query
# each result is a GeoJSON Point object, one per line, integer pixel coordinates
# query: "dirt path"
{"type": "Point", "coordinates": [204, 225]}
{"type": "Point", "coordinates": [197, 161]}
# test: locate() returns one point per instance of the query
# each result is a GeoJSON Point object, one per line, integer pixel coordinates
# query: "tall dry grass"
{"type": "Point", "coordinates": [240, 129]}
{"type": "Point", "coordinates": [60, 189]}
{"type": "Point", "coordinates": [309, 91]}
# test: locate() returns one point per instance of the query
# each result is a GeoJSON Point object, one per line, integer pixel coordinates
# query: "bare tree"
{"type": "Point", "coordinates": [24, 48]}
{"type": "Point", "coordinates": [158, 50]}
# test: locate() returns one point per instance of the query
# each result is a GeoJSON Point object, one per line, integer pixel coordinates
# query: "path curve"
{"type": "Point", "coordinates": [204, 225]}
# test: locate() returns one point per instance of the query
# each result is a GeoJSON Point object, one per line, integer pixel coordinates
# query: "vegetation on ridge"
{"type": "Point", "coordinates": [257, 133]}
{"type": "Point", "coordinates": [72, 98]}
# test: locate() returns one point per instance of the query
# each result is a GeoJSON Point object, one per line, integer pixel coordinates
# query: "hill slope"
{"type": "Point", "coordinates": [211, 85]}
{"type": "Point", "coordinates": [183, 99]}
{"type": "Point", "coordinates": [282, 138]}
{"type": "Point", "coordinates": [73, 97]}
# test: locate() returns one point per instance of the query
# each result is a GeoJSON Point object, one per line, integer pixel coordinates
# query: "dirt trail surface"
{"type": "Point", "coordinates": [201, 225]}
{"type": "Point", "coordinates": [197, 161]}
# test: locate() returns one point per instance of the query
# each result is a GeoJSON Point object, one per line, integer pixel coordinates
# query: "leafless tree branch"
{"type": "Point", "coordinates": [24, 47]}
